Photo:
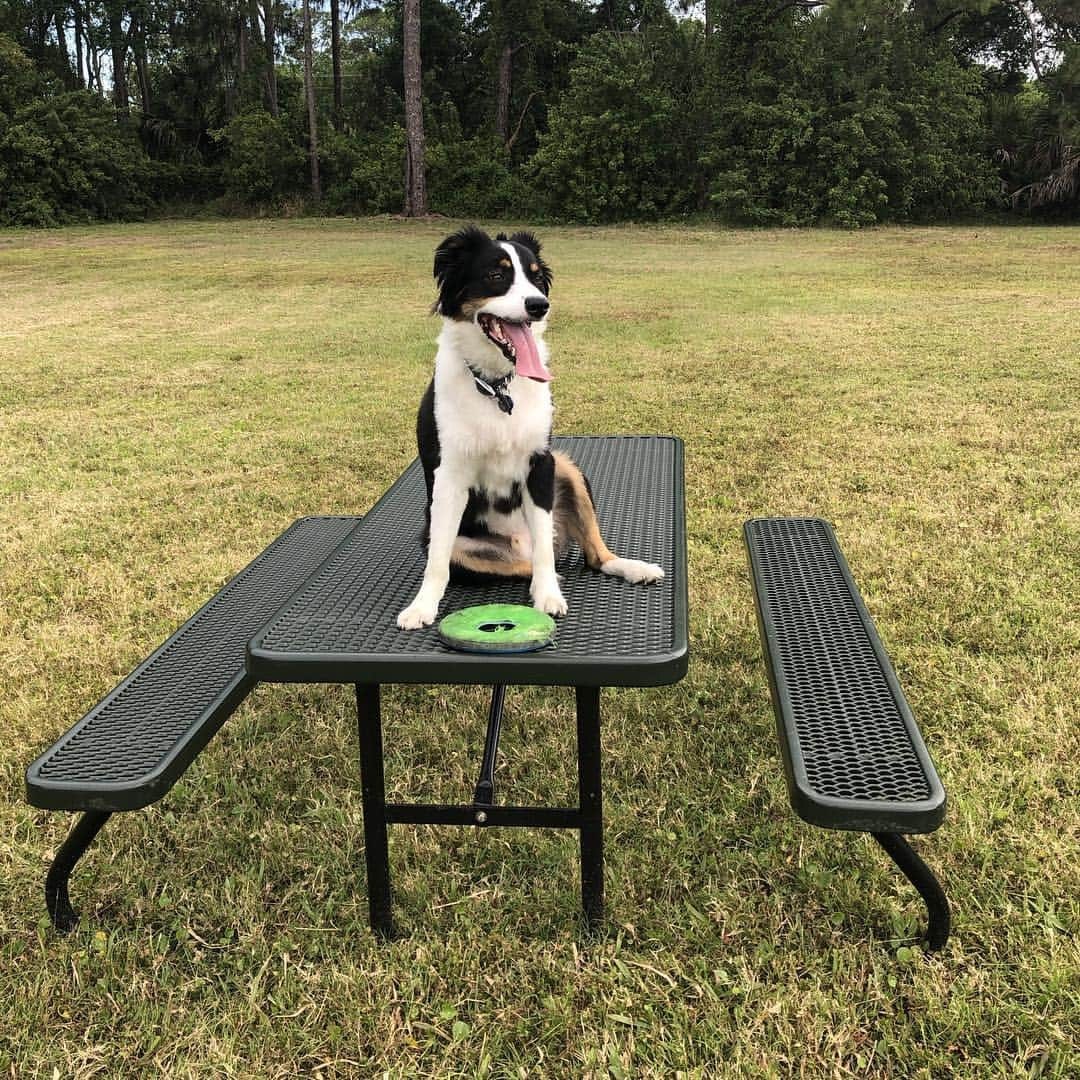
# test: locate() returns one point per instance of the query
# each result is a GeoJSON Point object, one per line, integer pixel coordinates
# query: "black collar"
{"type": "Point", "coordinates": [493, 388]}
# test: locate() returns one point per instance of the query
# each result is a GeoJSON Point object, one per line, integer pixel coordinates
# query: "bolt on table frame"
{"type": "Point", "coordinates": [341, 627]}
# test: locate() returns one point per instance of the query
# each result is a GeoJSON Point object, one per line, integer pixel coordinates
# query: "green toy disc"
{"type": "Point", "coordinates": [497, 628]}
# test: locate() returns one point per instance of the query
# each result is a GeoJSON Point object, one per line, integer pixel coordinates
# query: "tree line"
{"type": "Point", "coordinates": [785, 112]}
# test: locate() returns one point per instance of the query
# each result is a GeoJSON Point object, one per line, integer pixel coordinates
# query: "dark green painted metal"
{"type": "Point", "coordinates": [131, 748]}
{"type": "Point", "coordinates": [853, 754]}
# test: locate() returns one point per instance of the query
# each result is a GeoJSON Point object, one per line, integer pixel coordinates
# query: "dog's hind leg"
{"type": "Point", "coordinates": [575, 517]}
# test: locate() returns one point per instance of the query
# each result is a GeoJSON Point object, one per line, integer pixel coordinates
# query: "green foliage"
{"type": "Point", "coordinates": [870, 121]}
{"type": "Point", "coordinates": [263, 159]}
{"type": "Point", "coordinates": [18, 79]}
{"type": "Point", "coordinates": [621, 141]}
{"type": "Point", "coordinates": [474, 178]}
{"type": "Point", "coordinates": [66, 159]}
{"type": "Point", "coordinates": [471, 176]}
{"type": "Point", "coordinates": [363, 174]}
{"type": "Point", "coordinates": [863, 111]}
{"type": "Point", "coordinates": [1049, 147]}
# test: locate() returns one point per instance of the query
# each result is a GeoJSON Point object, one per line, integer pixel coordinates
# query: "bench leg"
{"type": "Point", "coordinates": [57, 902]}
{"type": "Point", "coordinates": [590, 804]}
{"type": "Point", "coordinates": [922, 877]}
{"type": "Point", "coordinates": [376, 851]}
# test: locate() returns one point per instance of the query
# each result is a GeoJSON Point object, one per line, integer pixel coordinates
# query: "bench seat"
{"type": "Point", "coordinates": [131, 747]}
{"type": "Point", "coordinates": [853, 755]}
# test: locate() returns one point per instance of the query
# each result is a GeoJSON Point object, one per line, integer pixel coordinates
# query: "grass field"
{"type": "Point", "coordinates": [173, 395]}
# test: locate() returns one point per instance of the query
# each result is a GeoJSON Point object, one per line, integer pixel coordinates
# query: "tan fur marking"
{"type": "Point", "coordinates": [506, 262]}
{"type": "Point", "coordinates": [468, 560]}
{"type": "Point", "coordinates": [469, 308]}
{"type": "Point", "coordinates": [580, 522]}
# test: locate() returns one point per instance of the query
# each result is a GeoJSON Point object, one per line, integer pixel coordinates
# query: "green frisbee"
{"type": "Point", "coordinates": [497, 628]}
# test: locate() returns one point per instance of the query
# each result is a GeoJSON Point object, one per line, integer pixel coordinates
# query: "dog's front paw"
{"type": "Point", "coordinates": [417, 615]}
{"type": "Point", "coordinates": [548, 599]}
{"type": "Point", "coordinates": [633, 570]}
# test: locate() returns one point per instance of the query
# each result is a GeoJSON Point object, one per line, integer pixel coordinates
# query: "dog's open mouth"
{"type": "Point", "coordinates": [516, 343]}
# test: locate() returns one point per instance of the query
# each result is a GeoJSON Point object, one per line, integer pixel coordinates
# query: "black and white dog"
{"type": "Point", "coordinates": [500, 502]}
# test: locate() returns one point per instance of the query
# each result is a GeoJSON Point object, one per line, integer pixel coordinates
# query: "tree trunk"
{"type": "Point", "coordinates": [60, 18]}
{"type": "Point", "coordinates": [139, 52]}
{"type": "Point", "coordinates": [415, 184]}
{"type": "Point", "coordinates": [253, 19]}
{"type": "Point", "coordinates": [502, 92]}
{"type": "Point", "coordinates": [93, 67]}
{"type": "Point", "coordinates": [335, 59]}
{"type": "Point", "coordinates": [118, 44]}
{"type": "Point", "coordinates": [271, 49]}
{"type": "Point", "coordinates": [309, 94]}
{"type": "Point", "coordinates": [76, 10]}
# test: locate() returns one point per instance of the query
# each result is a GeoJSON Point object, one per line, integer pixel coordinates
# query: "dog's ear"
{"type": "Point", "coordinates": [455, 248]}
{"type": "Point", "coordinates": [528, 240]}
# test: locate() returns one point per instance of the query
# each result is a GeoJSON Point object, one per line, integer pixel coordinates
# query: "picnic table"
{"type": "Point", "coordinates": [320, 605]}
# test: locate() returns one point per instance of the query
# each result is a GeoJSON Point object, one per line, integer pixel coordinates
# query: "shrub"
{"type": "Point", "coordinates": [263, 158]}
{"type": "Point", "coordinates": [474, 178]}
{"type": "Point", "coordinates": [66, 159]}
{"type": "Point", "coordinates": [363, 174]}
{"type": "Point", "coordinates": [870, 121]}
{"type": "Point", "coordinates": [622, 141]}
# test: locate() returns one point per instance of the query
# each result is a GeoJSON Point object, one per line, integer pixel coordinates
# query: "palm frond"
{"type": "Point", "coordinates": [1059, 188]}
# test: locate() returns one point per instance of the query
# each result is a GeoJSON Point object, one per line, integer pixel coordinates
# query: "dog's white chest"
{"type": "Point", "coordinates": [491, 447]}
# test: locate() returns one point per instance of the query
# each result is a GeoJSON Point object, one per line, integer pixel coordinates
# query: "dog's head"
{"type": "Point", "coordinates": [501, 286]}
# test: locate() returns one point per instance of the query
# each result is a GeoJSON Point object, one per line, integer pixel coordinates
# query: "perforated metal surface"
{"type": "Point", "coordinates": [341, 627]}
{"type": "Point", "coordinates": [130, 748]}
{"type": "Point", "coordinates": [854, 755]}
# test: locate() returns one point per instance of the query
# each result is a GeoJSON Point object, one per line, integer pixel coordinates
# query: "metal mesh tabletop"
{"type": "Point", "coordinates": [341, 626]}
{"type": "Point", "coordinates": [854, 755]}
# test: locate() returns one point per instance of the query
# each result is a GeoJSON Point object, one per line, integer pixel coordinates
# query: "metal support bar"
{"type": "Point", "coordinates": [537, 817]}
{"type": "Point", "coordinates": [63, 915]}
{"type": "Point", "coordinates": [591, 803]}
{"type": "Point", "coordinates": [376, 850]}
{"type": "Point", "coordinates": [922, 877]}
{"type": "Point", "coordinates": [485, 786]}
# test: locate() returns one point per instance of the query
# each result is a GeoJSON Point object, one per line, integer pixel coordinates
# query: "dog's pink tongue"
{"type": "Point", "coordinates": [528, 356]}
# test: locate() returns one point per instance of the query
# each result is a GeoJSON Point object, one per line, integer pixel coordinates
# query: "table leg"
{"type": "Point", "coordinates": [591, 804]}
{"type": "Point", "coordinates": [376, 851]}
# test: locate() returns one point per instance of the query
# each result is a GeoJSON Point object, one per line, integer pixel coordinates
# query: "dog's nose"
{"type": "Point", "coordinates": [536, 307]}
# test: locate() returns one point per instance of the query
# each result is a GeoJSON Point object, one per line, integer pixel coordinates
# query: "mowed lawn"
{"type": "Point", "coordinates": [173, 395]}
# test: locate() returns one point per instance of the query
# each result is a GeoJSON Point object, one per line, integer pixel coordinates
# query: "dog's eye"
{"type": "Point", "coordinates": [494, 276]}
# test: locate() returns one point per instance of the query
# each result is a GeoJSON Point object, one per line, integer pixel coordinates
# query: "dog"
{"type": "Point", "coordinates": [500, 503]}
